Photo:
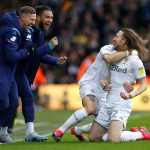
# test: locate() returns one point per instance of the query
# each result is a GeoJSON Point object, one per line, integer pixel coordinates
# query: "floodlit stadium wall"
{"type": "Point", "coordinates": [66, 96]}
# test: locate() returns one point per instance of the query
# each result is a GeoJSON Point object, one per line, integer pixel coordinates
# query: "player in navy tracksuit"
{"type": "Point", "coordinates": [25, 77]}
{"type": "Point", "coordinates": [12, 50]}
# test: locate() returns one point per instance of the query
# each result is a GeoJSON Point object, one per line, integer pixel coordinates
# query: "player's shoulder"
{"type": "Point", "coordinates": [30, 30]}
{"type": "Point", "coordinates": [12, 34]}
{"type": "Point", "coordinates": [134, 56]}
{"type": "Point", "coordinates": [107, 47]}
{"type": "Point", "coordinates": [135, 60]}
{"type": "Point", "coordinates": [13, 31]}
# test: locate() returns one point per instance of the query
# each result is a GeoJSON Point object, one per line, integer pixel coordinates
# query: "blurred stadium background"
{"type": "Point", "coordinates": [82, 27]}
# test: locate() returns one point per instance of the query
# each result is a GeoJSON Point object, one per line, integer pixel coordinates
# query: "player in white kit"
{"type": "Point", "coordinates": [90, 85]}
{"type": "Point", "coordinates": [90, 89]}
{"type": "Point", "coordinates": [113, 115]}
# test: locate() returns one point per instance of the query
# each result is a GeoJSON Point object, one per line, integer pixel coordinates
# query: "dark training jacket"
{"type": "Point", "coordinates": [11, 50]}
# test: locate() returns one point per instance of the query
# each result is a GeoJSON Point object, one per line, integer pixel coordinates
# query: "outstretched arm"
{"type": "Point", "coordinates": [51, 60]}
{"type": "Point", "coordinates": [44, 49]}
{"type": "Point", "coordinates": [48, 59]}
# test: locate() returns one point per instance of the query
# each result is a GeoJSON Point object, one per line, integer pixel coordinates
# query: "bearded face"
{"type": "Point", "coordinates": [45, 20]}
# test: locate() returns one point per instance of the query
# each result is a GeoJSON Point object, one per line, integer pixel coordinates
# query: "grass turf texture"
{"type": "Point", "coordinates": [47, 121]}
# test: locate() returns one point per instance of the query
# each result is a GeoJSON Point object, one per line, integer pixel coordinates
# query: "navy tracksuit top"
{"type": "Point", "coordinates": [11, 50]}
{"type": "Point", "coordinates": [39, 40]}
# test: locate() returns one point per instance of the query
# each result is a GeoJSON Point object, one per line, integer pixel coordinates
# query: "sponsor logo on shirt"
{"type": "Point", "coordinates": [117, 69]}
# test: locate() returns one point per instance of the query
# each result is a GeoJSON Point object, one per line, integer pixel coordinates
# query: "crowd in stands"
{"type": "Point", "coordinates": [83, 26]}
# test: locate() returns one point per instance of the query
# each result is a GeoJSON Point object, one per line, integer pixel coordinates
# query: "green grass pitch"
{"type": "Point", "coordinates": [47, 121]}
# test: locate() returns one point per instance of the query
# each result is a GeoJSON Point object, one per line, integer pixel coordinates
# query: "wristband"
{"type": "Point", "coordinates": [58, 62]}
{"type": "Point", "coordinates": [50, 46]}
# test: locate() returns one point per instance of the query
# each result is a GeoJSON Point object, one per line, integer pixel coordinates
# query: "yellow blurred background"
{"type": "Point", "coordinates": [66, 96]}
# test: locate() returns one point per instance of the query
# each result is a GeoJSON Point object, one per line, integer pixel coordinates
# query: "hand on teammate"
{"type": "Point", "coordinates": [105, 85]}
{"type": "Point", "coordinates": [126, 96]}
{"type": "Point", "coordinates": [129, 87]}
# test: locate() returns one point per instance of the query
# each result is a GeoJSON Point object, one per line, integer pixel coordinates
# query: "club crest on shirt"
{"type": "Point", "coordinates": [13, 39]}
{"type": "Point", "coordinates": [28, 36]}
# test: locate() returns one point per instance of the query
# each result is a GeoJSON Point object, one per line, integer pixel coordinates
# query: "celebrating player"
{"type": "Point", "coordinates": [91, 92]}
{"type": "Point", "coordinates": [114, 113]}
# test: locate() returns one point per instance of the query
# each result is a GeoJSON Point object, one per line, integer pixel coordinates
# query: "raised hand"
{"type": "Point", "coordinates": [54, 42]}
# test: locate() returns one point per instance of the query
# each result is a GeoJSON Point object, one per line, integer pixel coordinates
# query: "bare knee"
{"type": "Point", "coordinates": [94, 138]}
{"type": "Point", "coordinates": [91, 138]}
{"type": "Point", "coordinates": [115, 130]}
{"type": "Point", "coordinates": [89, 103]}
{"type": "Point", "coordinates": [96, 132]}
{"type": "Point", "coordinates": [90, 109]}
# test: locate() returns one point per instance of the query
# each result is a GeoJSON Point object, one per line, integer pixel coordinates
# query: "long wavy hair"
{"type": "Point", "coordinates": [134, 41]}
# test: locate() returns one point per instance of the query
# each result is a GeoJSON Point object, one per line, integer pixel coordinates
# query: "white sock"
{"type": "Point", "coordinates": [29, 127]}
{"type": "Point", "coordinates": [126, 136]}
{"type": "Point", "coordinates": [76, 117]}
{"type": "Point", "coordinates": [4, 130]}
{"type": "Point", "coordinates": [131, 136]}
{"type": "Point", "coordinates": [105, 137]}
{"type": "Point", "coordinates": [83, 129]}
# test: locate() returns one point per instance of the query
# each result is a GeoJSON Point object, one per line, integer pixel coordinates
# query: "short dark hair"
{"type": "Point", "coordinates": [26, 10]}
{"type": "Point", "coordinates": [41, 8]}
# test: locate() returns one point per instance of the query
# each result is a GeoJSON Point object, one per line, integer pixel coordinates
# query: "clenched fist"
{"type": "Point", "coordinates": [62, 60]}
{"type": "Point", "coordinates": [54, 42]}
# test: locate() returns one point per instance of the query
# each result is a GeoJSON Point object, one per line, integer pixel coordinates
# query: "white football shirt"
{"type": "Point", "coordinates": [99, 70]}
{"type": "Point", "coordinates": [127, 70]}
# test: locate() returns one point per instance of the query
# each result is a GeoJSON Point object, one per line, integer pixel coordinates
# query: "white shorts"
{"type": "Point", "coordinates": [108, 114]}
{"type": "Point", "coordinates": [100, 96]}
